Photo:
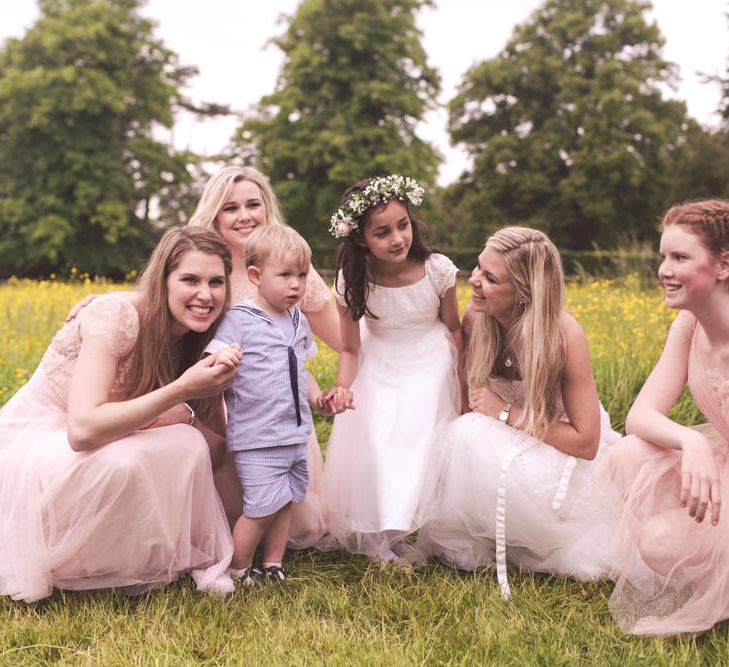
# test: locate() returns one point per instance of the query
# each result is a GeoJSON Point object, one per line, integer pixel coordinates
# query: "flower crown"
{"type": "Point", "coordinates": [378, 191]}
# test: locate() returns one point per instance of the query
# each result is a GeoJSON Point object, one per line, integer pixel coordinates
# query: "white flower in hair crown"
{"type": "Point", "coordinates": [378, 191]}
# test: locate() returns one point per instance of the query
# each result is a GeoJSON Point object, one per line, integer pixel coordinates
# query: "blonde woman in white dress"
{"type": "Point", "coordinates": [515, 484]}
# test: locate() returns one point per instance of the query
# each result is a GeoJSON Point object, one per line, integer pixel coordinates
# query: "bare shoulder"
{"type": "Point", "coordinates": [571, 328]}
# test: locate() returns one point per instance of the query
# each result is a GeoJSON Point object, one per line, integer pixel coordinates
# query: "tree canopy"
{"type": "Point", "coordinates": [354, 84]}
{"type": "Point", "coordinates": [568, 127]}
{"type": "Point", "coordinates": [80, 96]}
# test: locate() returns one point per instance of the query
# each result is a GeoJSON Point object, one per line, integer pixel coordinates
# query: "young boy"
{"type": "Point", "coordinates": [269, 420]}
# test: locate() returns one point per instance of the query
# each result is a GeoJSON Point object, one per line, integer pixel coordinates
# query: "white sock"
{"type": "Point", "coordinates": [237, 574]}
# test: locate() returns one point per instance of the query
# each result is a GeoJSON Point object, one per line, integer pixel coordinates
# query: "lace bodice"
{"type": "Point", "coordinates": [411, 307]}
{"type": "Point", "coordinates": [115, 319]}
{"type": "Point", "coordinates": [315, 298]}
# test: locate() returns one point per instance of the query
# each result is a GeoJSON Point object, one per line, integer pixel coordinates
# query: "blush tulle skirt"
{"type": "Point", "coordinates": [671, 573]}
{"type": "Point", "coordinates": [135, 514]}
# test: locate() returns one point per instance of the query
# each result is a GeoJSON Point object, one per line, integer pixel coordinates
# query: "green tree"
{"type": "Point", "coordinates": [702, 168]}
{"type": "Point", "coordinates": [80, 96]}
{"type": "Point", "coordinates": [352, 89]}
{"type": "Point", "coordinates": [568, 128]}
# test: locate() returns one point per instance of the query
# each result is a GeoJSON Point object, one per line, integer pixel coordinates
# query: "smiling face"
{"type": "Point", "coordinates": [493, 291]}
{"type": "Point", "coordinates": [281, 283]}
{"type": "Point", "coordinates": [196, 292]}
{"type": "Point", "coordinates": [689, 272]}
{"type": "Point", "coordinates": [389, 233]}
{"type": "Point", "coordinates": [243, 210]}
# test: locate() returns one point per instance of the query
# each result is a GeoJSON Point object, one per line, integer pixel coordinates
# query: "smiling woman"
{"type": "Point", "coordinates": [671, 543]}
{"type": "Point", "coordinates": [105, 475]}
{"type": "Point", "coordinates": [516, 484]}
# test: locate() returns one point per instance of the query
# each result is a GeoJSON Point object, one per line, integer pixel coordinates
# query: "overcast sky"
{"type": "Point", "coordinates": [227, 41]}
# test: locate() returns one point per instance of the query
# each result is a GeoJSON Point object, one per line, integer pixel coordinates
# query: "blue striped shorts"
{"type": "Point", "coordinates": [271, 478]}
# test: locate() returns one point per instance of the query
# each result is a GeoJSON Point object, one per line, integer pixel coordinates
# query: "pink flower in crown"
{"type": "Point", "coordinates": [343, 228]}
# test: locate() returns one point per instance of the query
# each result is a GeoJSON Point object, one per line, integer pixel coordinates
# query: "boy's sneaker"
{"type": "Point", "coordinates": [248, 576]}
{"type": "Point", "coordinates": [275, 573]}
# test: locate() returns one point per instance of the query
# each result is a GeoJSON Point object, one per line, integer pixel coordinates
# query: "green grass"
{"type": "Point", "coordinates": [341, 609]}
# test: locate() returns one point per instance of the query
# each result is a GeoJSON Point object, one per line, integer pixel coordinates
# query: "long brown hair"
{"type": "Point", "coordinates": [535, 269]}
{"type": "Point", "coordinates": [157, 361]}
{"type": "Point", "coordinates": [352, 254]}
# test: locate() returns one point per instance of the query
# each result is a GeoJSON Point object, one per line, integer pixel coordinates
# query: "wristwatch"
{"type": "Point", "coordinates": [504, 414]}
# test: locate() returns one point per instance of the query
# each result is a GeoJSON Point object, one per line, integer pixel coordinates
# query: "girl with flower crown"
{"type": "Point", "coordinates": [400, 345]}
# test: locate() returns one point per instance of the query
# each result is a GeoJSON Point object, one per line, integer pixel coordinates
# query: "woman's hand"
{"type": "Point", "coordinates": [486, 401]}
{"type": "Point", "coordinates": [78, 307]}
{"type": "Point", "coordinates": [699, 478]}
{"type": "Point", "coordinates": [177, 414]}
{"type": "Point", "coordinates": [210, 378]}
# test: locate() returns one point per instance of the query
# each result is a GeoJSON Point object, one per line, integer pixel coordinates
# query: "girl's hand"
{"type": "Point", "coordinates": [699, 478]}
{"type": "Point", "coordinates": [486, 401]}
{"type": "Point", "coordinates": [207, 378]}
{"type": "Point", "coordinates": [78, 307]}
{"type": "Point", "coordinates": [339, 399]}
{"type": "Point", "coordinates": [229, 356]}
{"type": "Point", "coordinates": [177, 414]}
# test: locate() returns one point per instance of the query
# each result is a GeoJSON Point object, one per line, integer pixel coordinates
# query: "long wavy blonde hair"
{"type": "Point", "coordinates": [218, 188]}
{"type": "Point", "coordinates": [157, 361]}
{"type": "Point", "coordinates": [535, 339]}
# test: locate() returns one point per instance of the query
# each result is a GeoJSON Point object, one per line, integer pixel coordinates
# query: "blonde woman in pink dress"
{"type": "Point", "coordinates": [672, 563]}
{"type": "Point", "coordinates": [235, 201]}
{"type": "Point", "coordinates": [105, 475]}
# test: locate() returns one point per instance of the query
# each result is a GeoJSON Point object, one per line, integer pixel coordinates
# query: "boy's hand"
{"type": "Point", "coordinates": [321, 405]}
{"type": "Point", "coordinates": [229, 356]}
{"type": "Point", "coordinates": [339, 399]}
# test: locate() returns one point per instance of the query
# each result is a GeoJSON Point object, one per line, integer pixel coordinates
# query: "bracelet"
{"type": "Point", "coordinates": [504, 414]}
{"type": "Point", "coordinates": [193, 417]}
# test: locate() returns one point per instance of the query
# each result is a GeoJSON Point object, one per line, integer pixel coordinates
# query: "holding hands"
{"type": "Point", "coordinates": [336, 400]}
{"type": "Point", "coordinates": [213, 374]}
{"type": "Point", "coordinates": [700, 485]}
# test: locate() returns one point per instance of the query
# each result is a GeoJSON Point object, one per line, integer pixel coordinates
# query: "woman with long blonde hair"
{"type": "Point", "coordinates": [516, 484]}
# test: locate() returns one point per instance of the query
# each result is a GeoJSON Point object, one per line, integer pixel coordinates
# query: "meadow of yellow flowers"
{"type": "Point", "coordinates": [625, 324]}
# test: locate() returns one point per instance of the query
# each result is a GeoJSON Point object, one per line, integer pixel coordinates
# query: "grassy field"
{"type": "Point", "coordinates": [342, 609]}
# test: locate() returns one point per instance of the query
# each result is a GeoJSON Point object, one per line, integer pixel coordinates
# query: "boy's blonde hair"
{"type": "Point", "coordinates": [277, 242]}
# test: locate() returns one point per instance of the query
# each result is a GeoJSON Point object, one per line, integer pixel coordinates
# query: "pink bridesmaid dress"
{"type": "Point", "coordinates": [692, 594]}
{"type": "Point", "coordinates": [135, 513]}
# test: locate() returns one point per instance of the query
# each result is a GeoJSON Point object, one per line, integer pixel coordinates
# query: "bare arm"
{"type": "Point", "coordinates": [325, 324]}
{"type": "Point", "coordinates": [580, 435]}
{"type": "Point", "coordinates": [647, 417]}
{"type": "Point", "coordinates": [349, 356]}
{"type": "Point", "coordinates": [700, 483]}
{"type": "Point", "coordinates": [93, 420]}
{"type": "Point", "coordinates": [449, 315]}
